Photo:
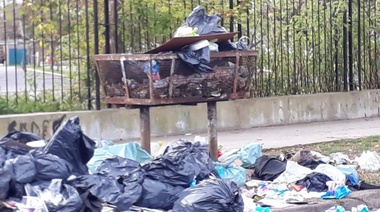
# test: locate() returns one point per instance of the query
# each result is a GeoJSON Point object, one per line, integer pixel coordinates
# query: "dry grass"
{"type": "Point", "coordinates": [352, 148]}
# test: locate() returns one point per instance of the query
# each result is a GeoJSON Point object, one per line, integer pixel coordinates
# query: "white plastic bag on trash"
{"type": "Point", "coordinates": [332, 172]}
{"type": "Point", "coordinates": [369, 161]}
{"type": "Point", "coordinates": [293, 173]}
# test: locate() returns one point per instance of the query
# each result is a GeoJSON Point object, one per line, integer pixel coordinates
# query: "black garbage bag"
{"type": "Point", "coordinates": [13, 147]}
{"type": "Point", "coordinates": [197, 60]}
{"type": "Point", "coordinates": [50, 167]}
{"type": "Point", "coordinates": [158, 195]}
{"type": "Point", "coordinates": [5, 180]}
{"type": "Point", "coordinates": [108, 189]}
{"type": "Point", "coordinates": [122, 168]}
{"type": "Point", "coordinates": [315, 182]}
{"type": "Point", "coordinates": [200, 152]}
{"type": "Point", "coordinates": [211, 195]}
{"type": "Point", "coordinates": [3, 156]}
{"type": "Point", "coordinates": [180, 163]}
{"type": "Point", "coordinates": [268, 168]}
{"type": "Point", "coordinates": [206, 24]}
{"type": "Point", "coordinates": [22, 137]}
{"type": "Point", "coordinates": [70, 144]}
{"type": "Point", "coordinates": [24, 169]}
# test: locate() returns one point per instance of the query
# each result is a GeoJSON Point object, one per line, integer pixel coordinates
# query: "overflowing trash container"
{"type": "Point", "coordinates": [164, 79]}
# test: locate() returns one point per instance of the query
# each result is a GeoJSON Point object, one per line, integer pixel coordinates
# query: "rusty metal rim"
{"type": "Point", "coordinates": [172, 101]}
{"type": "Point", "coordinates": [168, 56]}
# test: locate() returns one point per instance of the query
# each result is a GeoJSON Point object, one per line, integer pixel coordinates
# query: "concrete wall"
{"type": "Point", "coordinates": [117, 124]}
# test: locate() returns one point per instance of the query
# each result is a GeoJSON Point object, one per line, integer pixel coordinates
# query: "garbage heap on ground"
{"type": "Point", "coordinates": [72, 172]}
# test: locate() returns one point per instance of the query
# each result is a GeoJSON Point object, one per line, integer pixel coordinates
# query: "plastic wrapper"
{"type": "Point", "coordinates": [211, 195]}
{"type": "Point", "coordinates": [58, 196]}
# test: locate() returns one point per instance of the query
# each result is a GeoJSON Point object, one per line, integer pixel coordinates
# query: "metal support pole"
{"type": "Point", "coordinates": [145, 128]}
{"type": "Point", "coordinates": [212, 131]}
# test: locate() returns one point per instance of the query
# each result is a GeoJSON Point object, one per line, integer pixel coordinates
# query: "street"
{"type": "Point", "coordinates": [12, 80]}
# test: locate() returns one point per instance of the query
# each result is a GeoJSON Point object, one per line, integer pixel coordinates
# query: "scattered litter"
{"type": "Point", "coordinates": [210, 195]}
{"type": "Point", "coordinates": [369, 161]}
{"type": "Point", "coordinates": [335, 191]}
{"type": "Point", "coordinates": [360, 208]}
{"type": "Point", "coordinates": [336, 209]}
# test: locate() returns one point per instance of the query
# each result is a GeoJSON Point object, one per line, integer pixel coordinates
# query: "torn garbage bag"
{"type": "Point", "coordinates": [315, 182]}
{"type": "Point", "coordinates": [108, 189]}
{"type": "Point", "coordinates": [211, 195]}
{"type": "Point", "coordinates": [158, 195]}
{"type": "Point", "coordinates": [131, 150]}
{"type": "Point", "coordinates": [70, 144]}
{"type": "Point", "coordinates": [180, 163]}
{"type": "Point", "coordinates": [58, 196]}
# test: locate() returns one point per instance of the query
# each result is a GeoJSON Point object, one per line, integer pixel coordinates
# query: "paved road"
{"type": "Point", "coordinates": [289, 135]}
{"type": "Point", "coordinates": [18, 82]}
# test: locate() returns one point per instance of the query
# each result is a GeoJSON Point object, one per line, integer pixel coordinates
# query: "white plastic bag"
{"type": "Point", "coordinates": [369, 161]}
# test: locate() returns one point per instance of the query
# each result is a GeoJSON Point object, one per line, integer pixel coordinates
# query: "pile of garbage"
{"type": "Point", "coordinates": [72, 172]}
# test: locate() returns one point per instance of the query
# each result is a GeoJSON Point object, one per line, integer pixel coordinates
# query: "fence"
{"type": "Point", "coordinates": [304, 46]}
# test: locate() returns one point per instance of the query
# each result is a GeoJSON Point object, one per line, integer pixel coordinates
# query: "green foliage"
{"type": "Point", "coordinates": [30, 104]}
{"type": "Point", "coordinates": [300, 43]}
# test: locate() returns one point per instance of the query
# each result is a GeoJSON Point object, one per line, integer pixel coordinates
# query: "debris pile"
{"type": "Point", "coordinates": [72, 172]}
{"type": "Point", "coordinates": [196, 72]}
{"type": "Point", "coordinates": [56, 177]}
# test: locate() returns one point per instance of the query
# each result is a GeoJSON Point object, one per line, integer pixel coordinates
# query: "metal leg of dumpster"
{"type": "Point", "coordinates": [212, 130]}
{"type": "Point", "coordinates": [145, 128]}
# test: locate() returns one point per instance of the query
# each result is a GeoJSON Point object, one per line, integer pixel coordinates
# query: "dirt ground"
{"type": "Point", "coordinates": [353, 148]}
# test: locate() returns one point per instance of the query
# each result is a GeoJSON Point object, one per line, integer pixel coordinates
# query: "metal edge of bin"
{"type": "Point", "coordinates": [173, 101]}
{"type": "Point", "coordinates": [169, 56]}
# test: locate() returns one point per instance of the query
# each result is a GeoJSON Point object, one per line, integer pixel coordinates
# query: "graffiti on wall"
{"type": "Point", "coordinates": [45, 128]}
